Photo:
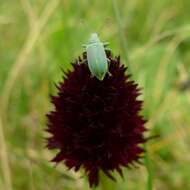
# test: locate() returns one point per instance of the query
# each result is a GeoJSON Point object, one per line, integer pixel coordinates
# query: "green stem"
{"type": "Point", "coordinates": [106, 183]}
{"type": "Point", "coordinates": [123, 40]}
{"type": "Point", "coordinates": [149, 171]}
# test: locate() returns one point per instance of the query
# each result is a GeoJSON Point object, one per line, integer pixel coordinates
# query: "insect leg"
{"type": "Point", "coordinates": [83, 61]}
{"type": "Point", "coordinates": [106, 44]}
{"type": "Point", "coordinates": [108, 70]}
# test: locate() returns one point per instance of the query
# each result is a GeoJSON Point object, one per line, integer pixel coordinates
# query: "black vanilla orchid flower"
{"type": "Point", "coordinates": [96, 124]}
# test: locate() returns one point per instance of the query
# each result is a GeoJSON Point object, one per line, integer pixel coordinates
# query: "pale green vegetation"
{"type": "Point", "coordinates": [38, 37]}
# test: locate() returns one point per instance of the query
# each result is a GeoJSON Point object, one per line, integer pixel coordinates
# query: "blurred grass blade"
{"type": "Point", "coordinates": [4, 159]}
{"type": "Point", "coordinates": [123, 40]}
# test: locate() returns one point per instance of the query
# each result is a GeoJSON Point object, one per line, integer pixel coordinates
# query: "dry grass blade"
{"type": "Point", "coordinates": [12, 77]}
{"type": "Point", "coordinates": [156, 39]}
{"type": "Point", "coordinates": [4, 159]}
{"type": "Point", "coordinates": [25, 51]}
{"type": "Point", "coordinates": [32, 18]}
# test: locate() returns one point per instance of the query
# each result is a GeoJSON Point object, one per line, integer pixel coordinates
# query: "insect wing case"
{"type": "Point", "coordinates": [97, 60]}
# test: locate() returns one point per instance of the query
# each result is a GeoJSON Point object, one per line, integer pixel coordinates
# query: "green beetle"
{"type": "Point", "coordinates": [96, 57]}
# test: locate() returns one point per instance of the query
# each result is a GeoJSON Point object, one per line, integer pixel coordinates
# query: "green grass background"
{"type": "Point", "coordinates": [38, 37]}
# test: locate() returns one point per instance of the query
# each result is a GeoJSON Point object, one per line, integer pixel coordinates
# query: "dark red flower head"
{"type": "Point", "coordinates": [96, 124]}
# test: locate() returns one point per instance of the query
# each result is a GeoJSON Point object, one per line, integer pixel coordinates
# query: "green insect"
{"type": "Point", "coordinates": [96, 57]}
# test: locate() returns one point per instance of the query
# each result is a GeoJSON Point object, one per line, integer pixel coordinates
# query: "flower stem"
{"type": "Point", "coordinates": [149, 170]}
{"type": "Point", "coordinates": [106, 183]}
